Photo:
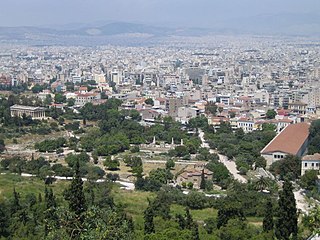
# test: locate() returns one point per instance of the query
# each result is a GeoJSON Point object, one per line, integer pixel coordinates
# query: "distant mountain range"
{"type": "Point", "coordinates": [111, 29]}
{"type": "Point", "coordinates": [277, 24]}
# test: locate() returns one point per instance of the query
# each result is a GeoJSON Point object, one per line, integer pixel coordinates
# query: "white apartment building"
{"type": "Point", "coordinates": [310, 162]}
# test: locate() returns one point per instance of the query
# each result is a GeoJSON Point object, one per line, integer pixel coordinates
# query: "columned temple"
{"type": "Point", "coordinates": [34, 112]}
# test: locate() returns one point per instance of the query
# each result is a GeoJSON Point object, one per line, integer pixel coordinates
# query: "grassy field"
{"type": "Point", "coordinates": [133, 202]}
{"type": "Point", "coordinates": [25, 185]}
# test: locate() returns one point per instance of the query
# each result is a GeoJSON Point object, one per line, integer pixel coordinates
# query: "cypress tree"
{"type": "Point", "coordinates": [148, 221]}
{"type": "Point", "coordinates": [203, 180]}
{"type": "Point", "coordinates": [75, 194]}
{"type": "Point", "coordinates": [50, 199]}
{"type": "Point", "coordinates": [15, 205]}
{"type": "Point", "coordinates": [268, 218]}
{"type": "Point", "coordinates": [188, 220]}
{"type": "Point", "coordinates": [287, 222]}
{"type": "Point", "coordinates": [51, 218]}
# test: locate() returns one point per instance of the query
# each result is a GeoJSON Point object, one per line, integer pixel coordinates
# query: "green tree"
{"type": "Point", "coordinates": [230, 210]}
{"type": "Point", "coordinates": [75, 195]}
{"type": "Point", "coordinates": [260, 163]}
{"type": "Point", "coordinates": [195, 231]}
{"type": "Point", "coordinates": [15, 203]}
{"type": "Point", "coordinates": [203, 181]}
{"type": "Point", "coordinates": [59, 98]}
{"type": "Point", "coordinates": [268, 217]}
{"type": "Point", "coordinates": [149, 101]}
{"type": "Point", "coordinates": [160, 175]}
{"type": "Point", "coordinates": [2, 146]}
{"type": "Point", "coordinates": [111, 164]}
{"type": "Point", "coordinates": [271, 114]}
{"type": "Point", "coordinates": [287, 221]}
{"type": "Point", "coordinates": [261, 184]}
{"type": "Point", "coordinates": [268, 127]}
{"type": "Point", "coordinates": [309, 179]}
{"type": "Point", "coordinates": [50, 216]}
{"type": "Point", "coordinates": [220, 172]}
{"type": "Point", "coordinates": [188, 219]}
{"type": "Point", "coordinates": [236, 229]}
{"type": "Point", "coordinates": [179, 151]}
{"type": "Point", "coordinates": [288, 167]}
{"type": "Point", "coordinates": [313, 220]}
{"type": "Point", "coordinates": [210, 225]}
{"type": "Point", "coordinates": [4, 233]}
{"type": "Point", "coordinates": [211, 108]}
{"type": "Point", "coordinates": [37, 88]}
{"type": "Point", "coordinates": [71, 102]}
{"type": "Point", "coordinates": [148, 221]}
{"type": "Point", "coordinates": [170, 164]}
{"type": "Point", "coordinates": [48, 100]}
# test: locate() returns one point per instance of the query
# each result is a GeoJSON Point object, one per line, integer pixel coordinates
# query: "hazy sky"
{"type": "Point", "coordinates": [180, 12]}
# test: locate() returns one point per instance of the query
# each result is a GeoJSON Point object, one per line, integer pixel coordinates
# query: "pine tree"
{"type": "Point", "coordinates": [188, 219]}
{"type": "Point", "coordinates": [203, 181]}
{"type": "Point", "coordinates": [75, 194]}
{"type": "Point", "coordinates": [268, 218]}
{"type": "Point", "coordinates": [287, 222]}
{"type": "Point", "coordinates": [148, 221]}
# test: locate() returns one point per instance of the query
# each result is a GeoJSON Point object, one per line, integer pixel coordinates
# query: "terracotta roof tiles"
{"type": "Point", "coordinates": [289, 140]}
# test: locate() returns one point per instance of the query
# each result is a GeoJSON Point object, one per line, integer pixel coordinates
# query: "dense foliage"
{"type": "Point", "coordinates": [91, 214]}
{"type": "Point", "coordinates": [244, 148]}
{"type": "Point", "coordinates": [118, 129]}
{"type": "Point", "coordinates": [314, 143]}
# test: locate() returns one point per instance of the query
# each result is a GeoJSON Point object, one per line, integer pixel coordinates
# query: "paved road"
{"type": "Point", "coordinates": [126, 185]}
{"type": "Point", "coordinates": [183, 162]}
{"type": "Point", "coordinates": [231, 165]}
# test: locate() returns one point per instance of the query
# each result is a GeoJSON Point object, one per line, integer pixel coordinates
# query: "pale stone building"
{"type": "Point", "coordinates": [310, 162]}
{"type": "Point", "coordinates": [34, 112]}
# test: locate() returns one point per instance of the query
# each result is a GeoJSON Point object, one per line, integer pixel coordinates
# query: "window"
{"type": "Point", "coordinates": [312, 164]}
{"type": "Point", "coordinates": [305, 164]}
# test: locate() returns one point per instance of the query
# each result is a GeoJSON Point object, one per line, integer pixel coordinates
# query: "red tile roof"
{"type": "Point", "coordinates": [289, 140]}
{"type": "Point", "coordinates": [314, 157]}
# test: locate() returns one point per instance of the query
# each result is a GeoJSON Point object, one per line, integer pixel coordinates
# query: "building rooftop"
{"type": "Point", "coordinates": [21, 107]}
{"type": "Point", "coordinates": [289, 140]}
{"type": "Point", "coordinates": [313, 157]}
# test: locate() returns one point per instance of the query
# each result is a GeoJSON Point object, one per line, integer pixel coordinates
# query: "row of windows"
{"type": "Point", "coordinates": [312, 164]}
{"type": "Point", "coordinates": [245, 124]}
{"type": "Point", "coordinates": [278, 156]}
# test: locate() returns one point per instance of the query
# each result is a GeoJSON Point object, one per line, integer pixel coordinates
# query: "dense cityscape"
{"type": "Point", "coordinates": [158, 133]}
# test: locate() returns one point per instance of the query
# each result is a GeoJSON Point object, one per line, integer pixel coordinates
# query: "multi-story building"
{"type": "Point", "coordinates": [298, 107]}
{"type": "Point", "coordinates": [310, 162]}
